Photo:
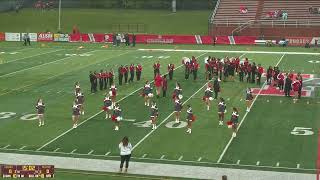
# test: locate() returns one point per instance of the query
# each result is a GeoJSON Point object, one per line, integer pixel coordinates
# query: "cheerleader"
{"type": "Point", "coordinates": [208, 96]}
{"type": "Point", "coordinates": [147, 93]}
{"type": "Point", "coordinates": [76, 88]}
{"type": "Point", "coordinates": [107, 106]}
{"type": "Point", "coordinates": [295, 87]}
{"type": "Point", "coordinates": [190, 118]}
{"type": "Point", "coordinates": [40, 107]}
{"type": "Point", "coordinates": [235, 121]}
{"type": "Point", "coordinates": [177, 92]}
{"type": "Point", "coordinates": [222, 109]}
{"type": "Point", "coordinates": [80, 101]}
{"type": "Point", "coordinates": [177, 109]}
{"type": "Point", "coordinates": [158, 84]}
{"type": "Point", "coordinates": [117, 116]}
{"type": "Point", "coordinates": [154, 114]}
{"type": "Point", "coordinates": [75, 114]}
{"type": "Point", "coordinates": [249, 98]}
{"type": "Point", "coordinates": [113, 94]}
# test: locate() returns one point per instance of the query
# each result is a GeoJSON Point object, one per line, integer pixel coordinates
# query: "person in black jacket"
{"type": "Point", "coordinates": [253, 72]}
{"type": "Point", "coordinates": [133, 40]}
{"type": "Point", "coordinates": [216, 88]}
{"type": "Point", "coordinates": [91, 77]}
{"type": "Point", "coordinates": [287, 86]}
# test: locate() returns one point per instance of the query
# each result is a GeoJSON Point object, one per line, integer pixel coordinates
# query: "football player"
{"type": "Point", "coordinates": [117, 116]}
{"type": "Point", "coordinates": [40, 107]}
{"type": "Point", "coordinates": [147, 93]}
{"type": "Point", "coordinates": [249, 98]}
{"type": "Point", "coordinates": [208, 96]}
{"type": "Point", "coordinates": [177, 109]}
{"type": "Point", "coordinates": [222, 109]}
{"type": "Point", "coordinates": [154, 114]}
{"type": "Point", "coordinates": [75, 114]}
{"type": "Point", "coordinates": [80, 101]}
{"type": "Point", "coordinates": [235, 121]}
{"type": "Point", "coordinates": [190, 118]}
{"type": "Point", "coordinates": [107, 106]}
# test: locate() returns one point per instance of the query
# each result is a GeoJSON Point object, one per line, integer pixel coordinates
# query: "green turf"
{"type": "Point", "coordinates": [48, 73]}
{"type": "Point", "coordinates": [103, 21]}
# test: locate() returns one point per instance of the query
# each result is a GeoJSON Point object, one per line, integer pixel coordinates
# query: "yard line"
{"type": "Point", "coordinates": [200, 158]}
{"type": "Point", "coordinates": [56, 150]}
{"type": "Point", "coordinates": [73, 151]}
{"type": "Point", "coordinates": [180, 158]}
{"type": "Point", "coordinates": [238, 162]}
{"type": "Point", "coordinates": [298, 166]}
{"type": "Point", "coordinates": [146, 136]}
{"type": "Point", "coordinates": [278, 164]}
{"type": "Point", "coordinates": [258, 163]}
{"type": "Point", "coordinates": [245, 115]}
{"type": "Point", "coordinates": [62, 134]}
{"type": "Point", "coordinates": [145, 155]}
{"type": "Point", "coordinates": [162, 157]}
{"type": "Point", "coordinates": [91, 152]}
{"type": "Point", "coordinates": [22, 147]}
{"type": "Point", "coordinates": [129, 120]}
{"type": "Point", "coordinates": [5, 147]}
{"type": "Point", "coordinates": [107, 153]}
{"type": "Point", "coordinates": [31, 56]}
{"type": "Point", "coordinates": [33, 67]}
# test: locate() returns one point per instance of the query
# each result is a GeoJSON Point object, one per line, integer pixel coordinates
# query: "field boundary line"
{"type": "Point", "coordinates": [14, 60]}
{"type": "Point", "coordinates": [245, 115]}
{"type": "Point", "coordinates": [227, 51]}
{"type": "Point", "coordinates": [62, 134]}
{"type": "Point", "coordinates": [33, 67]}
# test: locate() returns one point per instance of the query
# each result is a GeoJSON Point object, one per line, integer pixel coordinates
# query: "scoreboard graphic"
{"type": "Point", "coordinates": [26, 171]}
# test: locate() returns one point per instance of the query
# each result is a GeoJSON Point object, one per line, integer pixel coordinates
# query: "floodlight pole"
{"type": "Point", "coordinates": [59, 21]}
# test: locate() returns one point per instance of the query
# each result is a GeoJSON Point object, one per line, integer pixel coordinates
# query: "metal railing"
{"type": "Point", "coordinates": [211, 19]}
{"type": "Point", "coordinates": [270, 23]}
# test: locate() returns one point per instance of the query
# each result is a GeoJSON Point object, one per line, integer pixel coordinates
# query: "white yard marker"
{"type": "Point", "coordinates": [73, 151]}
{"type": "Point", "coordinates": [59, 92]}
{"type": "Point", "coordinates": [107, 153]}
{"type": "Point", "coordinates": [238, 162]}
{"type": "Point", "coordinates": [280, 101]}
{"type": "Point", "coordinates": [22, 147]}
{"type": "Point", "coordinates": [298, 166]}
{"type": "Point", "coordinates": [56, 150]}
{"type": "Point", "coordinates": [278, 164]}
{"type": "Point", "coordinates": [200, 158]}
{"type": "Point", "coordinates": [180, 158]}
{"type": "Point", "coordinates": [162, 157]}
{"type": "Point", "coordinates": [241, 99]}
{"type": "Point", "coordinates": [145, 155]}
{"type": "Point", "coordinates": [5, 147]}
{"type": "Point", "coordinates": [258, 163]}
{"type": "Point", "coordinates": [129, 120]}
{"type": "Point", "coordinates": [91, 152]}
{"type": "Point", "coordinates": [245, 115]}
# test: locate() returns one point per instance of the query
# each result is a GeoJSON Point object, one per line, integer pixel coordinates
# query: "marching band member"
{"type": "Point", "coordinates": [190, 118]}
{"type": "Point", "coordinates": [170, 70]}
{"type": "Point", "coordinates": [110, 77]}
{"type": "Point", "coordinates": [154, 114]}
{"type": "Point", "coordinates": [75, 114]}
{"type": "Point", "coordinates": [147, 93]}
{"type": "Point", "coordinates": [235, 121]}
{"type": "Point", "coordinates": [40, 107]}
{"type": "Point", "coordinates": [222, 109]}
{"type": "Point", "coordinates": [156, 68]}
{"type": "Point", "coordinates": [117, 116]}
{"type": "Point", "coordinates": [138, 71]}
{"type": "Point", "coordinates": [107, 106]}
{"type": "Point", "coordinates": [158, 84]}
{"type": "Point", "coordinates": [113, 94]}
{"type": "Point", "coordinates": [80, 101]}
{"type": "Point", "coordinates": [177, 109]}
{"type": "Point", "coordinates": [208, 96]}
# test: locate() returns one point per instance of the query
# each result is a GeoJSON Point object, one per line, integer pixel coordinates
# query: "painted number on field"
{"type": "Point", "coordinates": [314, 61]}
{"type": "Point", "coordinates": [159, 57]}
{"type": "Point", "coordinates": [5, 115]}
{"type": "Point", "coordinates": [29, 117]}
{"type": "Point", "coordinates": [171, 124]}
{"type": "Point", "coordinates": [302, 131]}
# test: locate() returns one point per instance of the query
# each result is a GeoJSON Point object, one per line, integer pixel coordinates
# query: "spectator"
{"type": "Point", "coordinates": [125, 153]}
{"type": "Point", "coordinates": [243, 10]}
{"type": "Point", "coordinates": [284, 15]}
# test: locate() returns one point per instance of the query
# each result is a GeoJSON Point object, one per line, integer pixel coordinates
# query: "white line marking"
{"type": "Point", "coordinates": [73, 151]}
{"type": "Point", "coordinates": [145, 155]}
{"type": "Point", "coordinates": [245, 115]}
{"type": "Point", "coordinates": [278, 164]}
{"type": "Point", "coordinates": [107, 153]}
{"type": "Point", "coordinates": [238, 162]}
{"type": "Point", "coordinates": [180, 158]}
{"type": "Point", "coordinates": [162, 157]}
{"type": "Point", "coordinates": [54, 139]}
{"type": "Point", "coordinates": [31, 56]}
{"type": "Point", "coordinates": [22, 147]}
{"type": "Point", "coordinates": [56, 150]}
{"type": "Point", "coordinates": [33, 67]}
{"type": "Point", "coordinates": [59, 92]}
{"type": "Point", "coordinates": [298, 166]}
{"type": "Point", "coordinates": [5, 147]}
{"type": "Point", "coordinates": [200, 158]}
{"type": "Point", "coordinates": [146, 136]}
{"type": "Point", "coordinates": [91, 152]}
{"type": "Point", "coordinates": [258, 163]}
{"type": "Point", "coordinates": [129, 120]}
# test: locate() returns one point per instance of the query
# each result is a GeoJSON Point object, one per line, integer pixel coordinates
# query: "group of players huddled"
{"type": "Point", "coordinates": [215, 68]}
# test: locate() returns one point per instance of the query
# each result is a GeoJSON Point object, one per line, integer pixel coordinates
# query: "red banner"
{"type": "Point", "coordinates": [74, 37]}
{"type": "Point", "coordinates": [298, 41]}
{"type": "Point", "coordinates": [207, 39]}
{"type": "Point", "coordinates": [46, 37]}
{"type": "Point", "coordinates": [2, 36]}
{"type": "Point", "coordinates": [222, 40]}
{"type": "Point", "coordinates": [244, 39]}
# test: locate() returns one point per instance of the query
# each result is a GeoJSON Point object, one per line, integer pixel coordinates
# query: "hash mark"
{"type": "Point", "coordinates": [238, 162]}
{"type": "Point", "coordinates": [5, 147]}
{"type": "Point", "coordinates": [56, 150]}
{"type": "Point", "coordinates": [144, 155]}
{"type": "Point", "coordinates": [73, 151]}
{"type": "Point", "coordinates": [90, 152]}
{"type": "Point", "coordinates": [200, 158]}
{"type": "Point", "coordinates": [258, 163]}
{"type": "Point", "coordinates": [180, 158]}
{"type": "Point", "coordinates": [278, 164]}
{"type": "Point", "coordinates": [107, 153]}
{"type": "Point", "coordinates": [298, 166]}
{"type": "Point", "coordinates": [22, 147]}
{"type": "Point", "coordinates": [162, 157]}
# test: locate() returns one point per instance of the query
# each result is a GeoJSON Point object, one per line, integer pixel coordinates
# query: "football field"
{"type": "Point", "coordinates": [275, 135]}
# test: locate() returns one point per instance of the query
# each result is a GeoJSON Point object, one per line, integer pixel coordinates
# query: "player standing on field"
{"type": "Point", "coordinates": [110, 77]}
{"type": "Point", "coordinates": [156, 68]}
{"type": "Point", "coordinates": [177, 92]}
{"type": "Point", "coordinates": [222, 109]}
{"type": "Point", "coordinates": [75, 114]}
{"type": "Point", "coordinates": [40, 107]}
{"type": "Point", "coordinates": [300, 81]}
{"type": "Point", "coordinates": [158, 84]}
{"type": "Point", "coordinates": [138, 71]}
{"type": "Point", "coordinates": [80, 102]}
{"type": "Point", "coordinates": [113, 94]}
{"type": "Point", "coordinates": [131, 68]}
{"type": "Point", "coordinates": [190, 118]}
{"type": "Point", "coordinates": [147, 93]}
{"type": "Point", "coordinates": [76, 88]}
{"type": "Point", "coordinates": [154, 114]}
{"type": "Point", "coordinates": [235, 121]}
{"type": "Point", "coordinates": [249, 98]}
{"type": "Point", "coordinates": [117, 116]}
{"type": "Point", "coordinates": [177, 109]}
{"type": "Point", "coordinates": [296, 86]}
{"type": "Point", "coordinates": [164, 85]}
{"type": "Point", "coordinates": [208, 96]}
{"type": "Point", "coordinates": [107, 106]}
{"type": "Point", "coordinates": [170, 70]}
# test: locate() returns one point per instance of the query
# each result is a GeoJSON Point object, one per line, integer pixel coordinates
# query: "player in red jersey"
{"type": "Point", "coordinates": [75, 114]}
{"type": "Point", "coordinates": [158, 84]}
{"type": "Point", "coordinates": [113, 94]}
{"type": "Point", "coordinates": [295, 87]}
{"type": "Point", "coordinates": [147, 93]}
{"type": "Point", "coordinates": [190, 118]}
{"type": "Point", "coordinates": [207, 98]}
{"type": "Point", "coordinates": [154, 114]}
{"type": "Point", "coordinates": [105, 79]}
{"type": "Point", "coordinates": [107, 106]}
{"type": "Point", "coordinates": [40, 107]}
{"type": "Point", "coordinates": [116, 116]}
{"type": "Point", "coordinates": [131, 69]}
